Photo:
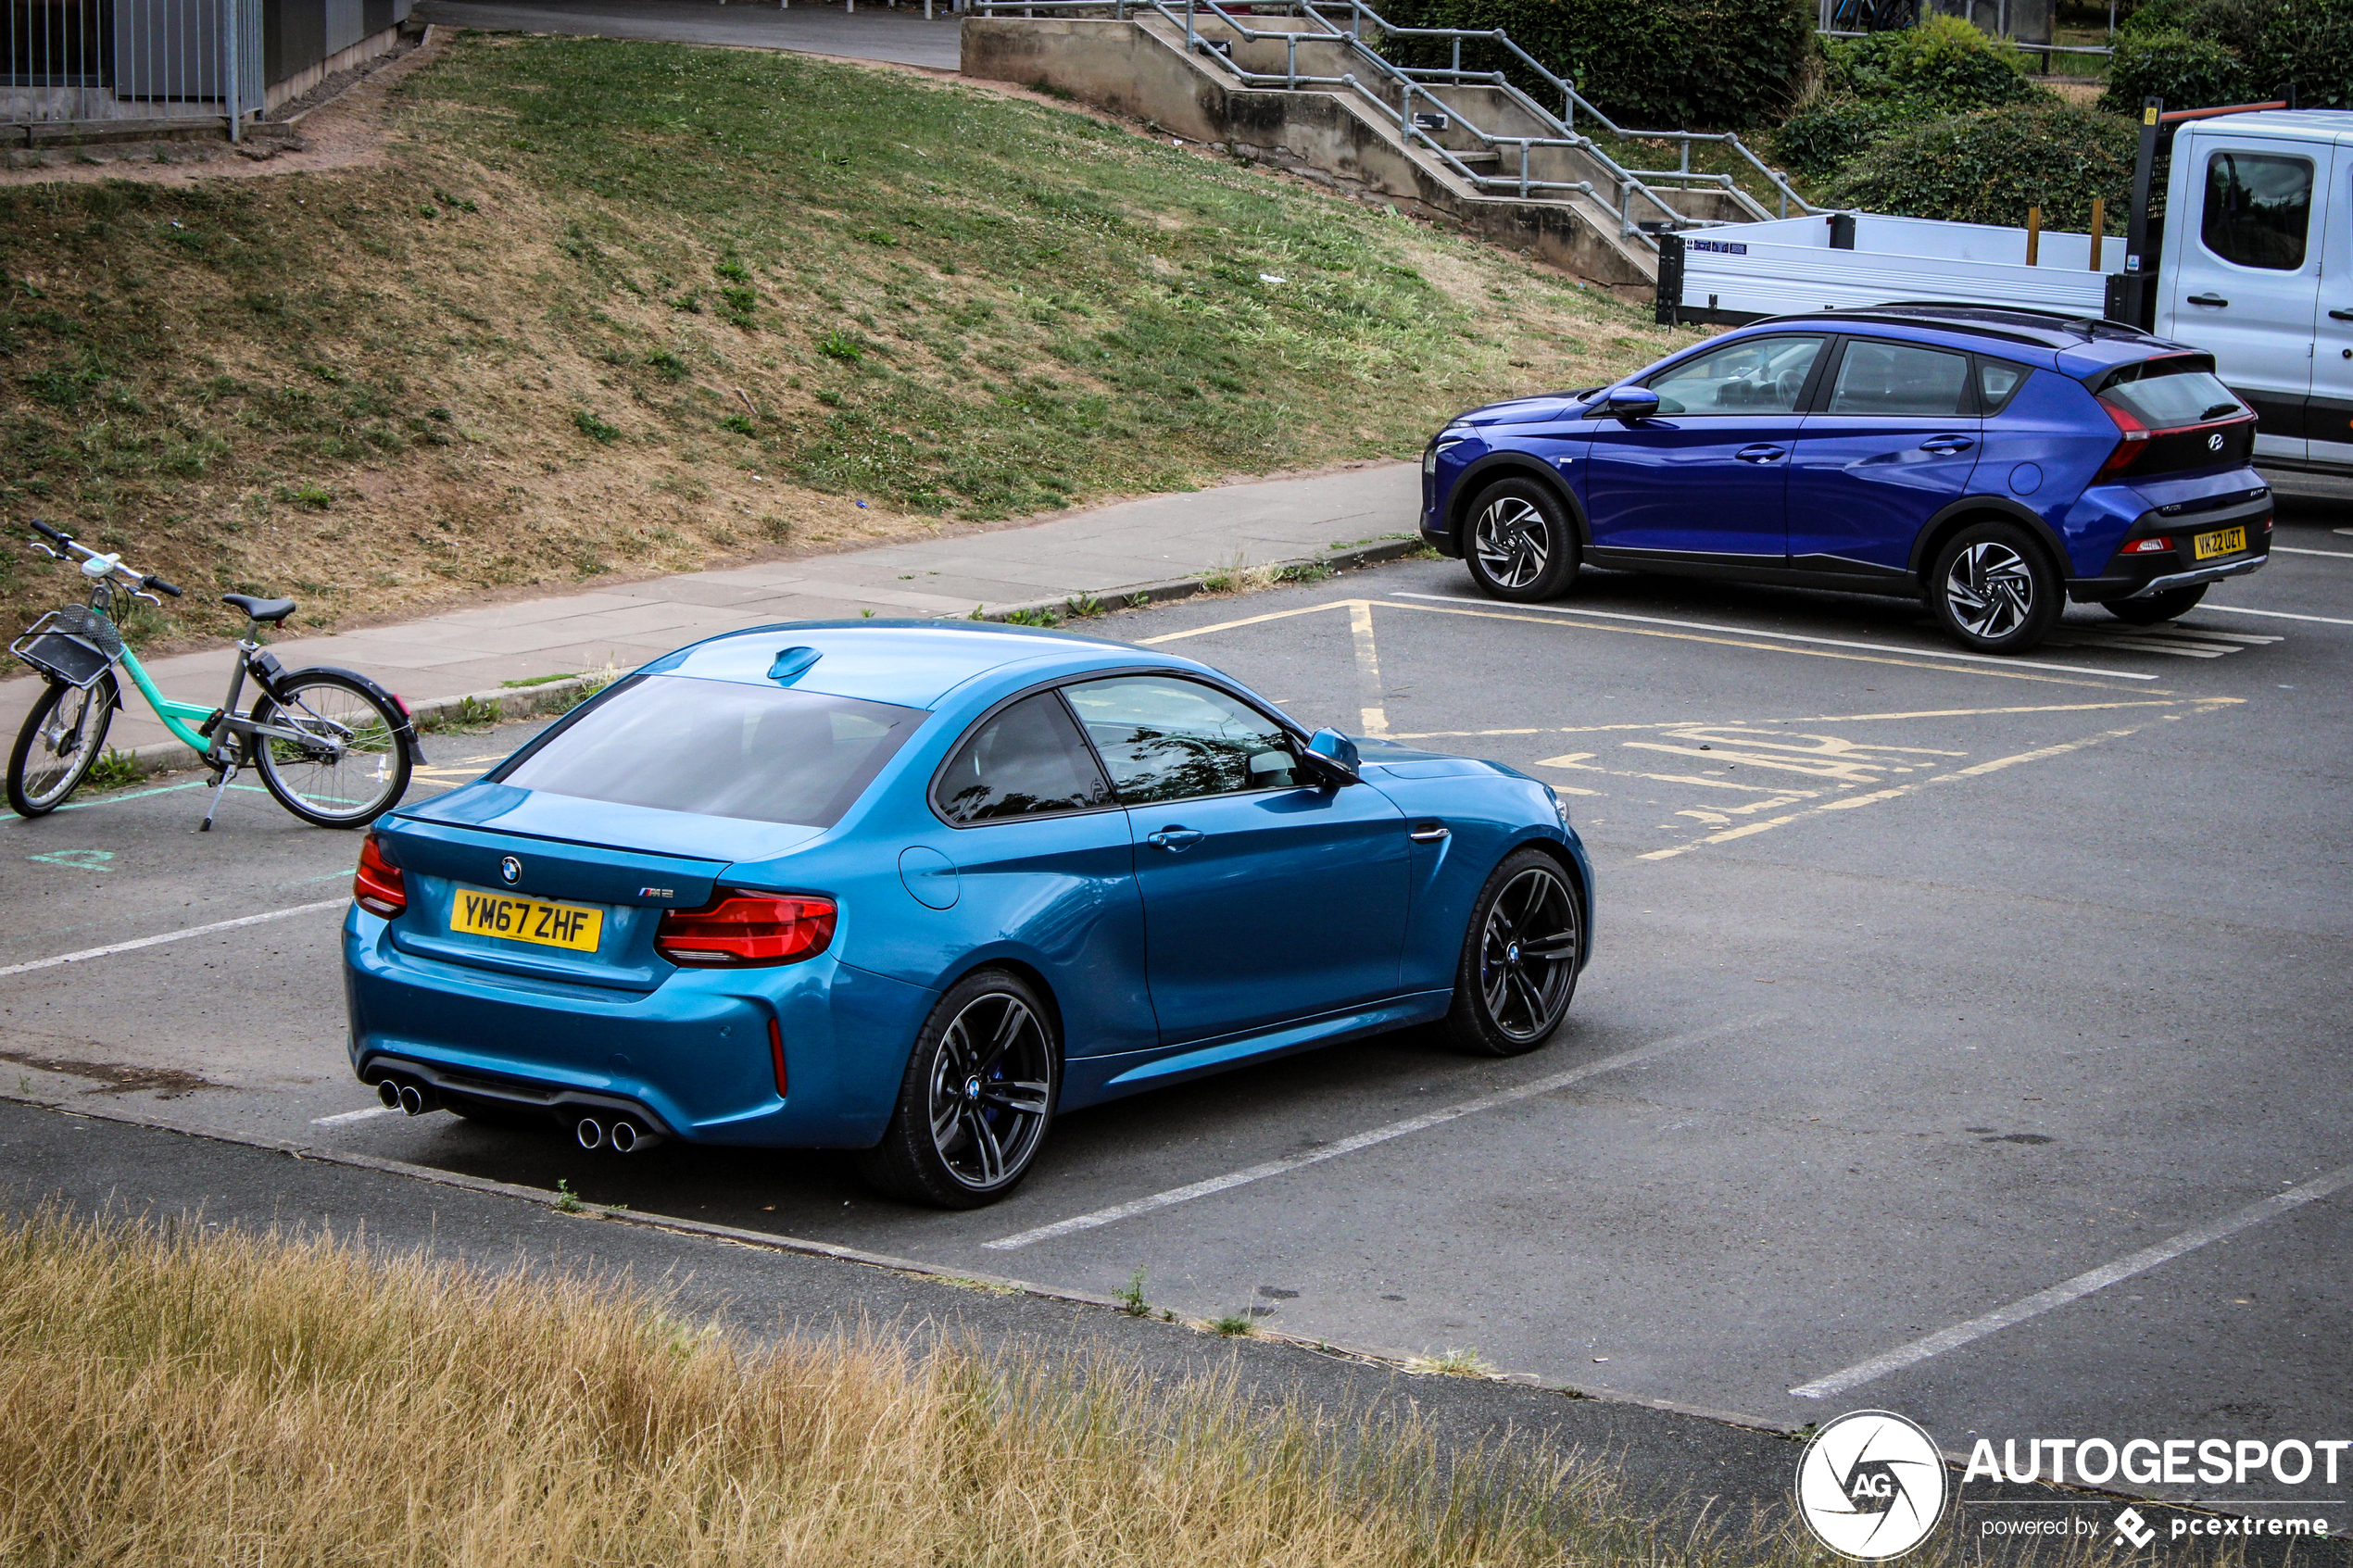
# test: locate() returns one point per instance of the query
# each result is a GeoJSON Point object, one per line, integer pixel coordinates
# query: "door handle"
{"type": "Point", "coordinates": [1175, 838]}
{"type": "Point", "coordinates": [2341, 315]}
{"type": "Point", "coordinates": [2213, 299]}
{"type": "Point", "coordinates": [1428, 833]}
{"type": "Point", "coordinates": [1760, 453]}
{"type": "Point", "coordinates": [1947, 444]}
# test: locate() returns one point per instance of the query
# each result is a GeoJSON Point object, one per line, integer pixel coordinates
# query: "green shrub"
{"type": "Point", "coordinates": [1832, 131]}
{"type": "Point", "coordinates": [2188, 73]}
{"type": "Point", "coordinates": [1661, 66]}
{"type": "Point", "coordinates": [1990, 166]}
{"type": "Point", "coordinates": [2307, 46]}
{"type": "Point", "coordinates": [1944, 64]}
{"type": "Point", "coordinates": [2237, 25]}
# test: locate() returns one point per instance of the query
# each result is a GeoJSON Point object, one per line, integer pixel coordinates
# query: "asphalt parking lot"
{"type": "Point", "coordinates": [1926, 988]}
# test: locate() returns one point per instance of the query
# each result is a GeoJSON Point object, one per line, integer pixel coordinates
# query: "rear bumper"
{"type": "Point", "coordinates": [692, 1057]}
{"type": "Point", "coordinates": [2135, 576]}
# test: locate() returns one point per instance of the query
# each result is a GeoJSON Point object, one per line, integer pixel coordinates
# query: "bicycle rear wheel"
{"type": "Point", "coordinates": [348, 767]}
{"type": "Point", "coordinates": [62, 741]}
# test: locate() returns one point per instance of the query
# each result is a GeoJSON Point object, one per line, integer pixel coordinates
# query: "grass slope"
{"type": "Point", "coordinates": [636, 307]}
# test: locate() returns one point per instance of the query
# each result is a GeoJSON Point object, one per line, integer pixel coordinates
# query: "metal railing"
{"type": "Point", "coordinates": [65, 62]}
{"type": "Point", "coordinates": [1413, 87]}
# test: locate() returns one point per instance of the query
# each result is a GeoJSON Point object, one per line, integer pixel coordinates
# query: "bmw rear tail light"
{"type": "Point", "coordinates": [2132, 437]}
{"type": "Point", "coordinates": [747, 929]}
{"type": "Point", "coordinates": [378, 886]}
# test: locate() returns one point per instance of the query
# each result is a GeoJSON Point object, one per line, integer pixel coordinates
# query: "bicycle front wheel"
{"type": "Point", "coordinates": [60, 743]}
{"type": "Point", "coordinates": [336, 758]}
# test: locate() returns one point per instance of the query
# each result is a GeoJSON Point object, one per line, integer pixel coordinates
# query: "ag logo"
{"type": "Point", "coordinates": [1871, 1485]}
{"type": "Point", "coordinates": [2214, 441]}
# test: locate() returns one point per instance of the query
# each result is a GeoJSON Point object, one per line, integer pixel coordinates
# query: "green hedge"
{"type": "Point", "coordinates": [2308, 47]}
{"type": "Point", "coordinates": [1990, 166]}
{"type": "Point", "coordinates": [1831, 133]}
{"type": "Point", "coordinates": [1662, 65]}
{"type": "Point", "coordinates": [2188, 73]}
{"type": "Point", "coordinates": [1944, 64]}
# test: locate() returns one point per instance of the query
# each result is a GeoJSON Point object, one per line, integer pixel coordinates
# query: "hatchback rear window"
{"type": "Point", "coordinates": [718, 748]}
{"type": "Point", "coordinates": [2163, 397]}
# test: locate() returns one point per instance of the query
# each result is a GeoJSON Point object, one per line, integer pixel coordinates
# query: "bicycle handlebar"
{"type": "Point", "coordinates": [138, 579]}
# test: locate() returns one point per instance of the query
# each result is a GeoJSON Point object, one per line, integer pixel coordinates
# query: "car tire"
{"type": "Point", "coordinates": [966, 1129]}
{"type": "Point", "coordinates": [1519, 543]}
{"type": "Point", "coordinates": [2156, 607]}
{"type": "Point", "coordinates": [1512, 988]}
{"type": "Point", "coordinates": [1994, 589]}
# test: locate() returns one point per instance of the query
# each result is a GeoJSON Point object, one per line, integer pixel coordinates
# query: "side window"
{"type": "Point", "coordinates": [1757, 375]}
{"type": "Point", "coordinates": [1026, 761]}
{"type": "Point", "coordinates": [1997, 379]}
{"type": "Point", "coordinates": [1899, 378]}
{"type": "Point", "coordinates": [2258, 207]}
{"type": "Point", "coordinates": [1169, 739]}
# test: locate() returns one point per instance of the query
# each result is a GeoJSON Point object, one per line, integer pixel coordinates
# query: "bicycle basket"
{"type": "Point", "coordinates": [75, 644]}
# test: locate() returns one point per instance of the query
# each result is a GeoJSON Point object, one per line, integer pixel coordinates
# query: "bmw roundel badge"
{"type": "Point", "coordinates": [511, 868]}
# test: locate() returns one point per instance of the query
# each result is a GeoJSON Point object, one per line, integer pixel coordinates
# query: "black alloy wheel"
{"type": "Point", "coordinates": [2166, 605]}
{"type": "Point", "coordinates": [1520, 955]}
{"type": "Point", "coordinates": [1994, 589]}
{"type": "Point", "coordinates": [1519, 543]}
{"type": "Point", "coordinates": [976, 1100]}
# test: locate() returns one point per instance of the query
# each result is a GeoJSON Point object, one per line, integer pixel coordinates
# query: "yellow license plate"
{"type": "Point", "coordinates": [527, 920]}
{"type": "Point", "coordinates": [2227, 542]}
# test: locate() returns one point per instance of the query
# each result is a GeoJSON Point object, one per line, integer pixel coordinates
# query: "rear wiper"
{"type": "Point", "coordinates": [2217, 411]}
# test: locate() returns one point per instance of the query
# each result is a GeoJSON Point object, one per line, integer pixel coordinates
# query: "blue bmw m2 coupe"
{"type": "Point", "coordinates": [1995, 461]}
{"type": "Point", "coordinates": [912, 889]}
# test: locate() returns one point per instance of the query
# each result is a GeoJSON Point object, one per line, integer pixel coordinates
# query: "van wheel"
{"type": "Point", "coordinates": [2156, 607]}
{"type": "Point", "coordinates": [1994, 589]}
{"type": "Point", "coordinates": [1520, 545]}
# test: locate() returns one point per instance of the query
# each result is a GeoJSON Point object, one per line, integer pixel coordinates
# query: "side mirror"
{"type": "Point", "coordinates": [1331, 758]}
{"type": "Point", "coordinates": [1627, 403]}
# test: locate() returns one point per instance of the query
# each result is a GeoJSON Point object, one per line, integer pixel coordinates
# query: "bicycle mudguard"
{"type": "Point", "coordinates": [408, 731]}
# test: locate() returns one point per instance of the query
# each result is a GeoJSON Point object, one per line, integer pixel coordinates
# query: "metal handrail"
{"type": "Point", "coordinates": [1411, 81]}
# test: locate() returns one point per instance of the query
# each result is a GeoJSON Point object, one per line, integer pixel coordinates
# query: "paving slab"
{"type": "Point", "coordinates": [873, 32]}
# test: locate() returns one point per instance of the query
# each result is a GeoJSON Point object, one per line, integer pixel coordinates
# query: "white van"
{"type": "Point", "coordinates": [2257, 269]}
{"type": "Point", "coordinates": [2252, 262]}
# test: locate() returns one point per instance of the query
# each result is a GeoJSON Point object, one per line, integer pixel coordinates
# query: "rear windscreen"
{"type": "Point", "coordinates": [718, 748]}
{"type": "Point", "coordinates": [2164, 398]}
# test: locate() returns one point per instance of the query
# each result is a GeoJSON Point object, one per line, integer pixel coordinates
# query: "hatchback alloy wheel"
{"type": "Point", "coordinates": [1994, 589]}
{"type": "Point", "coordinates": [1520, 545]}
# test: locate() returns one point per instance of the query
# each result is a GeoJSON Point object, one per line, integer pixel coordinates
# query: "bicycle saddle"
{"type": "Point", "coordinates": [260, 610]}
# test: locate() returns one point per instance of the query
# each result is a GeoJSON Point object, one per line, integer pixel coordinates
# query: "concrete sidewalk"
{"type": "Point", "coordinates": [1163, 545]}
{"type": "Point", "coordinates": [875, 31]}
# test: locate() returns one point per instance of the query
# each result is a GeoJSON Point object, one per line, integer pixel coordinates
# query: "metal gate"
{"type": "Point", "coordinates": [67, 62]}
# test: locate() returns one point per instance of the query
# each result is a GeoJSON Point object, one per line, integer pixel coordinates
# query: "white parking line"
{"type": "Point", "coordinates": [1379, 1135]}
{"type": "Point", "coordinates": [2292, 550]}
{"type": "Point", "coordinates": [353, 1115]}
{"type": "Point", "coordinates": [2082, 1284]}
{"type": "Point", "coordinates": [2277, 614]}
{"type": "Point", "coordinates": [113, 947]}
{"type": "Point", "coordinates": [2004, 662]}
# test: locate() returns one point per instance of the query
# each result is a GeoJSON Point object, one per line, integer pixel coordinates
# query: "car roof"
{"type": "Point", "coordinates": [2081, 346]}
{"type": "Point", "coordinates": [2301, 125]}
{"type": "Point", "coordinates": [911, 663]}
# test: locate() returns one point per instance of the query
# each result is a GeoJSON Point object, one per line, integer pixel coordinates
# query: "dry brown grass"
{"type": "Point", "coordinates": [179, 1394]}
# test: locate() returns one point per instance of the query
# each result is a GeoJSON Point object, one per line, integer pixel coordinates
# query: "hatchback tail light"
{"type": "Point", "coordinates": [747, 929]}
{"type": "Point", "coordinates": [2157, 544]}
{"type": "Point", "coordinates": [2132, 438]}
{"type": "Point", "coordinates": [378, 886]}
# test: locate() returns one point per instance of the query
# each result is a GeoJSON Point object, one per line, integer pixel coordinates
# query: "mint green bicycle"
{"type": "Point", "coordinates": [333, 746]}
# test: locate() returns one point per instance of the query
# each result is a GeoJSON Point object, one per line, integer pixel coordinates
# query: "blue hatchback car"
{"type": "Point", "coordinates": [912, 888]}
{"type": "Point", "coordinates": [1995, 461]}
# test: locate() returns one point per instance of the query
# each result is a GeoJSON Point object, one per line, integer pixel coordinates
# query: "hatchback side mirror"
{"type": "Point", "coordinates": [1627, 403]}
{"type": "Point", "coordinates": [1331, 758]}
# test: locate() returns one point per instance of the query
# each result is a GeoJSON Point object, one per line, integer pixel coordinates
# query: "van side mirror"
{"type": "Point", "coordinates": [1627, 403]}
{"type": "Point", "coordinates": [1331, 757]}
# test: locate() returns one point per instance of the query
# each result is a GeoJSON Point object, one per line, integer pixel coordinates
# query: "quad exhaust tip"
{"type": "Point", "coordinates": [590, 1132]}
{"type": "Point", "coordinates": [409, 1098]}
